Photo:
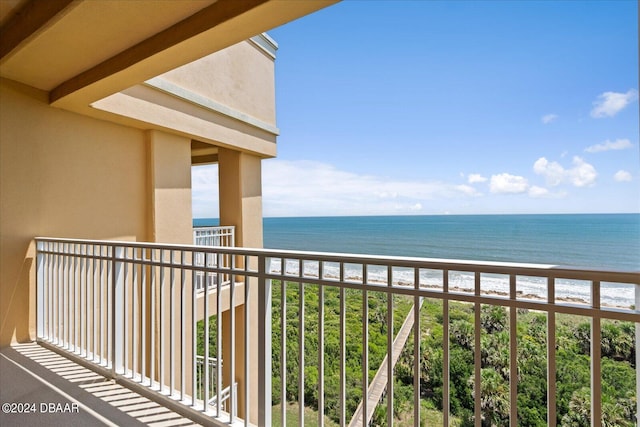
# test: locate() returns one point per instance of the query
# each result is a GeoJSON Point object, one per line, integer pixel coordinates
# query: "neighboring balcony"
{"type": "Point", "coordinates": [214, 236]}
{"type": "Point", "coordinates": [302, 321]}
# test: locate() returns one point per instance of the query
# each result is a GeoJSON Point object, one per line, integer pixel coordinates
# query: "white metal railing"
{"type": "Point", "coordinates": [213, 365]}
{"type": "Point", "coordinates": [214, 236]}
{"type": "Point", "coordinates": [133, 311]}
{"type": "Point", "coordinates": [225, 394]}
{"type": "Point", "coordinates": [131, 308]}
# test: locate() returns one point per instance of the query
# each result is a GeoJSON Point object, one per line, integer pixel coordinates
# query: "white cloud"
{"type": "Point", "coordinates": [549, 118]}
{"type": "Point", "coordinates": [536, 191]}
{"type": "Point", "coordinates": [475, 178]}
{"type": "Point", "coordinates": [298, 188]}
{"type": "Point", "coordinates": [622, 176]}
{"type": "Point", "coordinates": [582, 174]}
{"type": "Point", "coordinates": [609, 104]}
{"type": "Point", "coordinates": [552, 171]}
{"type": "Point", "coordinates": [618, 144]}
{"type": "Point", "coordinates": [468, 190]}
{"type": "Point", "coordinates": [507, 183]}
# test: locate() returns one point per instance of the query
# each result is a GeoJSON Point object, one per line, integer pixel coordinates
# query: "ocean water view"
{"type": "Point", "coordinates": [600, 241]}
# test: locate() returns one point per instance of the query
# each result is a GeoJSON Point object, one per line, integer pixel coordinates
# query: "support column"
{"type": "Point", "coordinates": [241, 206]}
{"type": "Point", "coordinates": [240, 181]}
{"type": "Point", "coordinates": [169, 220]}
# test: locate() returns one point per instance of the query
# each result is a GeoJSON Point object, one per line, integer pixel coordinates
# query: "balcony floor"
{"type": "Point", "coordinates": [31, 374]}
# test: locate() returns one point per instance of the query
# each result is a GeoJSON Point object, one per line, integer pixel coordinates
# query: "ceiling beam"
{"type": "Point", "coordinates": [209, 17]}
{"type": "Point", "coordinates": [31, 18]}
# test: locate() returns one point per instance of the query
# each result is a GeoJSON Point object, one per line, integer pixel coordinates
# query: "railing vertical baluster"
{"type": "Point", "coordinates": [95, 282]}
{"type": "Point", "coordinates": [101, 303]}
{"type": "Point", "coordinates": [596, 349]}
{"type": "Point", "coordinates": [247, 349]}
{"type": "Point", "coordinates": [161, 323]}
{"type": "Point", "coordinates": [194, 330]}
{"type": "Point", "coordinates": [105, 332]}
{"type": "Point", "coordinates": [40, 287]}
{"type": "Point", "coordinates": [125, 312]}
{"type": "Point", "coordinates": [513, 354]}
{"type": "Point", "coordinates": [153, 354]}
{"type": "Point", "coordinates": [218, 384]}
{"type": "Point", "coordinates": [232, 347]}
{"type": "Point", "coordinates": [264, 343]}
{"type": "Point", "coordinates": [551, 354]}
{"type": "Point", "coordinates": [183, 328]}
{"type": "Point", "coordinates": [205, 369]}
{"type": "Point", "coordinates": [172, 296]}
{"type": "Point", "coordinates": [59, 296]}
{"type": "Point", "coordinates": [446, 368]}
{"type": "Point", "coordinates": [48, 287]}
{"type": "Point", "coordinates": [343, 321]}
{"type": "Point", "coordinates": [390, 334]}
{"type": "Point", "coordinates": [118, 308]}
{"type": "Point", "coordinates": [53, 288]}
{"type": "Point", "coordinates": [75, 309]}
{"type": "Point", "coordinates": [416, 349]}
{"type": "Point", "coordinates": [53, 294]}
{"type": "Point", "coordinates": [301, 363]}
{"type": "Point", "coordinates": [85, 288]}
{"type": "Point", "coordinates": [110, 307]}
{"type": "Point", "coordinates": [65, 297]}
{"type": "Point", "coordinates": [71, 294]}
{"type": "Point", "coordinates": [143, 318]}
{"type": "Point", "coordinates": [73, 306]}
{"type": "Point", "coordinates": [365, 349]}
{"type": "Point", "coordinates": [50, 294]}
{"type": "Point", "coordinates": [90, 303]}
{"type": "Point", "coordinates": [72, 298]}
{"type": "Point", "coordinates": [320, 350]}
{"type": "Point", "coordinates": [78, 300]}
{"type": "Point", "coordinates": [283, 352]}
{"type": "Point", "coordinates": [58, 289]}
{"type": "Point", "coordinates": [477, 354]}
{"type": "Point", "coordinates": [135, 327]}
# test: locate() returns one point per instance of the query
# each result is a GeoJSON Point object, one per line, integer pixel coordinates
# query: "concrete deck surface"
{"type": "Point", "coordinates": [39, 387]}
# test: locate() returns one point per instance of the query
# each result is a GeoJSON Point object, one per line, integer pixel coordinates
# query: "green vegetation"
{"type": "Point", "coordinates": [377, 308]}
{"type": "Point", "coordinates": [572, 361]}
{"type": "Point", "coordinates": [310, 417]}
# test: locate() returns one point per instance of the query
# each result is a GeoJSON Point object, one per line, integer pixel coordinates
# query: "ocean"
{"type": "Point", "coordinates": [603, 241]}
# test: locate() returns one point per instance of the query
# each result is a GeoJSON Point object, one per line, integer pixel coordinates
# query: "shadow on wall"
{"type": "Point", "coordinates": [17, 317]}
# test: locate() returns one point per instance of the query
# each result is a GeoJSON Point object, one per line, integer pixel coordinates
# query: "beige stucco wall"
{"type": "Point", "coordinates": [66, 175]}
{"type": "Point", "coordinates": [169, 171]}
{"type": "Point", "coordinates": [226, 99]}
{"type": "Point", "coordinates": [244, 80]}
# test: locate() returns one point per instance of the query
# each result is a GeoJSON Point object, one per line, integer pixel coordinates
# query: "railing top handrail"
{"type": "Point", "coordinates": [496, 267]}
{"type": "Point", "coordinates": [214, 227]}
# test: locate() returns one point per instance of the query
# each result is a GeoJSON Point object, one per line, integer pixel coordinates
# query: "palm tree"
{"type": "Point", "coordinates": [494, 398]}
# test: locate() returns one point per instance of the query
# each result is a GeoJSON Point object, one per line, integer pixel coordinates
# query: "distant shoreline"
{"type": "Point", "coordinates": [217, 220]}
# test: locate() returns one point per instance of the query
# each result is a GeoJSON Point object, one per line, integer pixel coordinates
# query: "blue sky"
{"type": "Point", "coordinates": [428, 107]}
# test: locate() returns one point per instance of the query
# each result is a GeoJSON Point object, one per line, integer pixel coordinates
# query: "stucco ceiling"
{"type": "Point", "coordinates": [87, 33]}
